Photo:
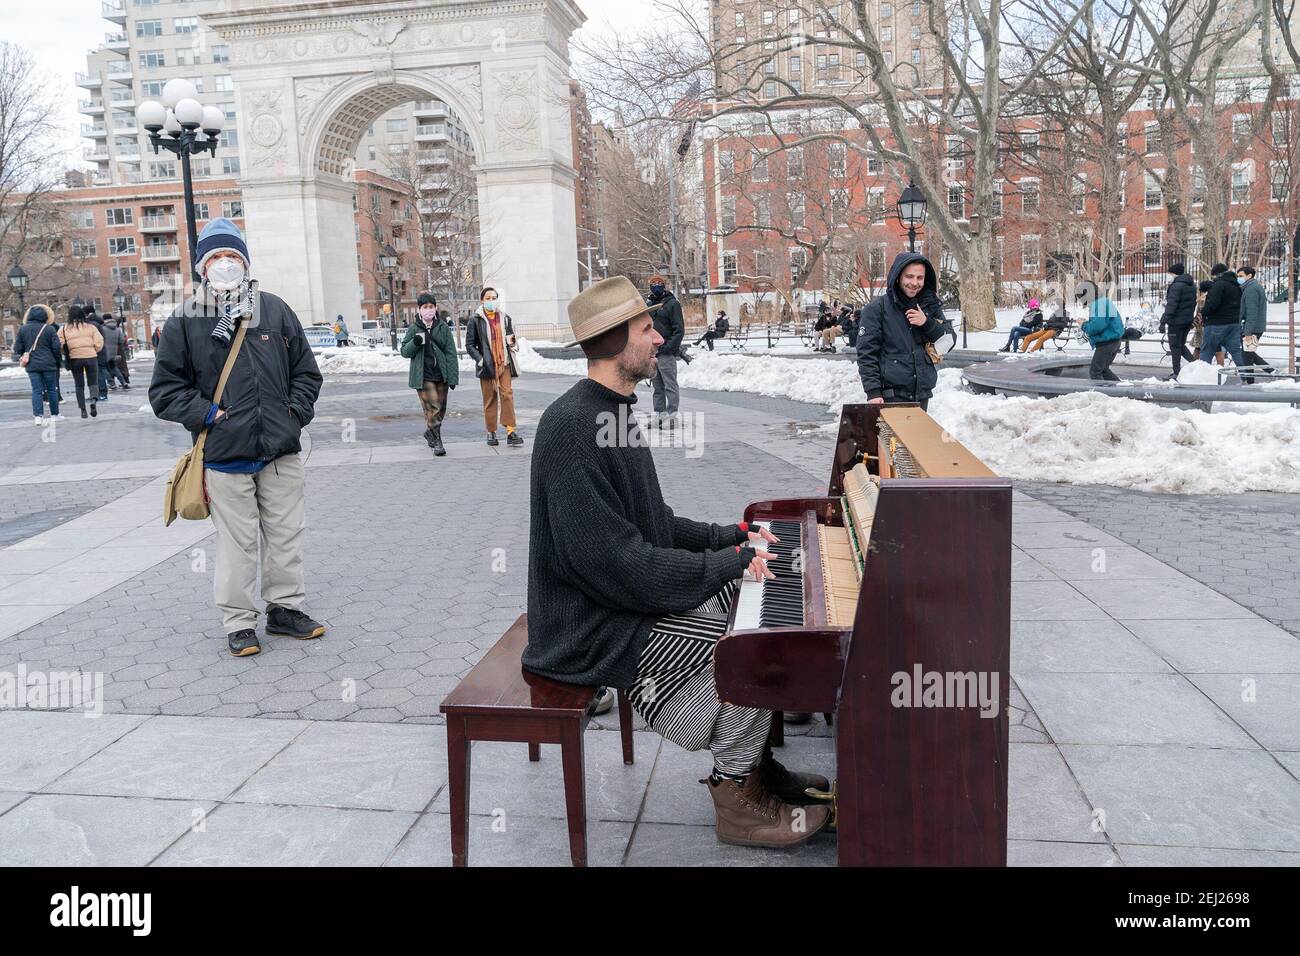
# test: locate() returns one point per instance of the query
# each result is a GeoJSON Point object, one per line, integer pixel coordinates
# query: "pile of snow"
{"type": "Point", "coordinates": [528, 360]}
{"type": "Point", "coordinates": [352, 361]}
{"type": "Point", "coordinates": [1198, 373]}
{"type": "Point", "coordinates": [12, 372]}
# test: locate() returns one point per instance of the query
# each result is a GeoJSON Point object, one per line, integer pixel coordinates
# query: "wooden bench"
{"type": "Point", "coordinates": [499, 700]}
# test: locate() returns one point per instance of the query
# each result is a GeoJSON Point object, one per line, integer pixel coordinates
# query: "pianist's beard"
{"type": "Point", "coordinates": [636, 363]}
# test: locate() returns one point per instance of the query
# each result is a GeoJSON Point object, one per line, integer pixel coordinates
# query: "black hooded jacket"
{"type": "Point", "coordinates": [891, 352]}
{"type": "Point", "coordinates": [667, 317]}
{"type": "Point", "coordinates": [1223, 301]}
{"type": "Point", "coordinates": [271, 393]}
{"type": "Point", "coordinates": [1180, 303]}
{"type": "Point", "coordinates": [44, 348]}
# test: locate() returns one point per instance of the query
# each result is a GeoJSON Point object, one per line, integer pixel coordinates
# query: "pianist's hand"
{"type": "Point", "coordinates": [762, 534]}
{"type": "Point", "coordinates": [875, 401]}
{"type": "Point", "coordinates": [758, 567]}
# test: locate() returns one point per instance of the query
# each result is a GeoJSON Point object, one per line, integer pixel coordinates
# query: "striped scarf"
{"type": "Point", "coordinates": [232, 306]}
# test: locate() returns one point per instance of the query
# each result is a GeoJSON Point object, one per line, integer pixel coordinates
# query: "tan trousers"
{"type": "Point", "coordinates": [498, 398]}
{"type": "Point", "coordinates": [1036, 340]}
{"type": "Point", "coordinates": [433, 399]}
{"type": "Point", "coordinates": [828, 335]}
{"type": "Point", "coordinates": [271, 502]}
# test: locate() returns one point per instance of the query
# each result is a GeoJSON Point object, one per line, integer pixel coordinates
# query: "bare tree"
{"type": "Point", "coordinates": [31, 228]}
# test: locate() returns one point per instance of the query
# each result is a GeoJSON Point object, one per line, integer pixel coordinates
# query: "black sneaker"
{"type": "Point", "coordinates": [243, 643]}
{"type": "Point", "coordinates": [94, 412]}
{"type": "Point", "coordinates": [492, 439]}
{"type": "Point", "coordinates": [514, 439]}
{"type": "Point", "coordinates": [291, 621]}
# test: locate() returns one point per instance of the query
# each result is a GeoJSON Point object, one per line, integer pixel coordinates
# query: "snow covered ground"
{"type": "Point", "coordinates": [1088, 438]}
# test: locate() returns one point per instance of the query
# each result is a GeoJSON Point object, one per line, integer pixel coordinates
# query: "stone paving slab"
{"type": "Point", "coordinates": [1081, 647]}
{"type": "Point", "coordinates": [41, 746]}
{"type": "Point", "coordinates": [1218, 647]}
{"type": "Point", "coordinates": [63, 830]}
{"type": "Point", "coordinates": [1267, 706]}
{"type": "Point", "coordinates": [512, 841]}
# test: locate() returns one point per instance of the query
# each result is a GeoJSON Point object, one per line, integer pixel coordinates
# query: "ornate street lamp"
{"type": "Point", "coordinates": [181, 116]}
{"type": "Point", "coordinates": [119, 300]}
{"type": "Point", "coordinates": [18, 282]}
{"type": "Point", "coordinates": [388, 264]}
{"type": "Point", "coordinates": [911, 212]}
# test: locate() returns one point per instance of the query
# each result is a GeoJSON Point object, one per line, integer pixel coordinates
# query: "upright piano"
{"type": "Point", "coordinates": [891, 610]}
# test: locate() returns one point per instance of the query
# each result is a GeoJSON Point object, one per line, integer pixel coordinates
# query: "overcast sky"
{"type": "Point", "coordinates": [58, 33]}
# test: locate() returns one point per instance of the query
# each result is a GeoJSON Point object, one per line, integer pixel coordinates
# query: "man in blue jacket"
{"type": "Point", "coordinates": [252, 471]}
{"type": "Point", "coordinates": [1254, 319]}
{"type": "Point", "coordinates": [1105, 333]}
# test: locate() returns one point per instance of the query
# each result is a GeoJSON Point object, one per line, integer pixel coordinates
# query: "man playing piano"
{"type": "Point", "coordinates": [624, 593]}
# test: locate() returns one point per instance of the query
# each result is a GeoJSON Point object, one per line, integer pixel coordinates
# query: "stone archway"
{"type": "Point", "coordinates": [311, 75]}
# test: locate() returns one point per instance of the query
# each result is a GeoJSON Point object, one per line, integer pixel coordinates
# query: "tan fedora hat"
{"type": "Point", "coordinates": [602, 306]}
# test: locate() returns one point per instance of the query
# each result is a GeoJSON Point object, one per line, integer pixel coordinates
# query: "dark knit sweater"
{"type": "Point", "coordinates": [606, 555]}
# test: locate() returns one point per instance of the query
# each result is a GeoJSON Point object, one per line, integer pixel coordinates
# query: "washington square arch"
{"type": "Point", "coordinates": [310, 76]}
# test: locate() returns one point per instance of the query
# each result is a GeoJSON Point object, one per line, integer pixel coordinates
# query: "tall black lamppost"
{"type": "Point", "coordinates": [388, 264]}
{"type": "Point", "coordinates": [119, 300]}
{"type": "Point", "coordinates": [181, 116]}
{"type": "Point", "coordinates": [911, 212]}
{"type": "Point", "coordinates": [18, 282]}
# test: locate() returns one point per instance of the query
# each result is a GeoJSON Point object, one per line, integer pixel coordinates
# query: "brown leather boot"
{"type": "Point", "coordinates": [789, 785]}
{"type": "Point", "coordinates": [750, 816]}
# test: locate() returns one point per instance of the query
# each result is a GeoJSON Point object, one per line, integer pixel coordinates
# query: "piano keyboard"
{"type": "Point", "coordinates": [777, 602]}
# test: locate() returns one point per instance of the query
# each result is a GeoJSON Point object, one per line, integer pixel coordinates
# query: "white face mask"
{"type": "Point", "coordinates": [225, 274]}
{"type": "Point", "coordinates": [491, 305]}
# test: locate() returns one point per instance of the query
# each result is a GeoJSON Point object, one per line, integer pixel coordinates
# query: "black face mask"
{"type": "Point", "coordinates": [656, 290]}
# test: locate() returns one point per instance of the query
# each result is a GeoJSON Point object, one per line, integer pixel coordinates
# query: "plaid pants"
{"type": "Point", "coordinates": [674, 690]}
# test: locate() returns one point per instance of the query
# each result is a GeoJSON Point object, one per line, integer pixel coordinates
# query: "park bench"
{"type": "Point", "coordinates": [499, 700]}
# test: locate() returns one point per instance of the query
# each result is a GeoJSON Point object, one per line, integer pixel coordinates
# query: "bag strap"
{"type": "Point", "coordinates": [230, 362]}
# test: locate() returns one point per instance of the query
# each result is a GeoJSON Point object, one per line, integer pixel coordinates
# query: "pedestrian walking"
{"type": "Point", "coordinates": [1254, 319]}
{"type": "Point", "coordinates": [157, 334]}
{"type": "Point", "coordinates": [666, 313]}
{"type": "Point", "coordinates": [114, 352]}
{"type": "Point", "coordinates": [81, 343]}
{"type": "Point", "coordinates": [1179, 315]}
{"type": "Point", "coordinates": [431, 347]}
{"type": "Point", "coordinates": [1104, 330]}
{"type": "Point", "coordinates": [490, 342]}
{"type": "Point", "coordinates": [898, 333]}
{"type": "Point", "coordinates": [101, 361]}
{"type": "Point", "coordinates": [252, 470]}
{"type": "Point", "coordinates": [125, 353]}
{"type": "Point", "coordinates": [340, 331]}
{"type": "Point", "coordinates": [1222, 315]}
{"type": "Point", "coordinates": [37, 349]}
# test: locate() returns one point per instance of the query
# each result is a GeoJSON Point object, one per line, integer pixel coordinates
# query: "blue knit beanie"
{"type": "Point", "coordinates": [220, 235]}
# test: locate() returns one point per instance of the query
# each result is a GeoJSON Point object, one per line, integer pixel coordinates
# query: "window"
{"type": "Point", "coordinates": [769, 17]}
{"type": "Point", "coordinates": [889, 59]}
{"type": "Point", "coordinates": [728, 215]}
{"type": "Point", "coordinates": [1241, 177]}
{"type": "Point", "coordinates": [759, 169]}
{"type": "Point", "coordinates": [794, 166]}
{"type": "Point", "coordinates": [221, 54]}
{"type": "Point", "coordinates": [233, 209]}
{"type": "Point", "coordinates": [875, 165]}
{"type": "Point", "coordinates": [795, 202]}
{"type": "Point", "coordinates": [151, 89]}
{"type": "Point", "coordinates": [398, 149]}
{"type": "Point", "coordinates": [916, 56]}
{"type": "Point", "coordinates": [185, 24]}
{"type": "Point", "coordinates": [886, 34]}
{"type": "Point", "coordinates": [729, 269]}
{"type": "Point", "coordinates": [148, 28]}
{"type": "Point", "coordinates": [370, 152]}
{"type": "Point", "coordinates": [886, 11]}
{"type": "Point", "coordinates": [1121, 140]}
{"type": "Point", "coordinates": [1152, 246]}
{"type": "Point", "coordinates": [83, 248]}
{"type": "Point", "coordinates": [1029, 255]}
{"type": "Point", "coordinates": [769, 90]}
{"type": "Point", "coordinates": [1197, 177]}
{"type": "Point", "coordinates": [916, 8]}
{"type": "Point", "coordinates": [1079, 193]}
{"type": "Point", "coordinates": [1154, 197]}
{"type": "Point", "coordinates": [229, 136]}
{"type": "Point", "coordinates": [223, 84]}
{"type": "Point", "coordinates": [835, 158]}
{"type": "Point", "coordinates": [876, 261]}
{"type": "Point", "coordinates": [726, 163]}
{"type": "Point", "coordinates": [188, 56]}
{"type": "Point", "coordinates": [152, 59]}
{"type": "Point", "coordinates": [763, 211]}
{"type": "Point", "coordinates": [876, 204]}
{"type": "Point", "coordinates": [1240, 125]}
{"type": "Point", "coordinates": [1281, 128]}
{"type": "Point", "coordinates": [956, 201]}
{"type": "Point", "coordinates": [769, 67]}
{"type": "Point", "coordinates": [230, 166]}
{"type": "Point", "coordinates": [163, 170]}
{"type": "Point", "coordinates": [1029, 146]}
{"type": "Point", "coordinates": [124, 274]}
{"type": "Point", "coordinates": [762, 263]}
{"type": "Point", "coordinates": [796, 66]}
{"type": "Point", "coordinates": [118, 216]}
{"type": "Point", "coordinates": [1123, 189]}
{"type": "Point", "coordinates": [396, 126]}
{"type": "Point", "coordinates": [201, 167]}
{"type": "Point", "coordinates": [200, 211]}
{"type": "Point", "coordinates": [121, 245]}
{"type": "Point", "coordinates": [1151, 135]}
{"type": "Point", "coordinates": [1277, 177]}
{"type": "Point", "coordinates": [1029, 196]}
{"type": "Point", "coordinates": [740, 21]}
{"type": "Point", "coordinates": [798, 264]}
{"type": "Point", "coordinates": [997, 199]}
{"type": "Point", "coordinates": [82, 219]}
{"type": "Point", "coordinates": [839, 206]}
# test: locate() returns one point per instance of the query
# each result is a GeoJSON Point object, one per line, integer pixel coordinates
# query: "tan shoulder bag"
{"type": "Point", "coordinates": [186, 495]}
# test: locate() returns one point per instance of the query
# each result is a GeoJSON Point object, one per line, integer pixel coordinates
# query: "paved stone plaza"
{"type": "Point", "coordinates": [1156, 702]}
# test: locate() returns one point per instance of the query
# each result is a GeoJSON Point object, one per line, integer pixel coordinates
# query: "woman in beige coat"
{"type": "Point", "coordinates": [82, 342]}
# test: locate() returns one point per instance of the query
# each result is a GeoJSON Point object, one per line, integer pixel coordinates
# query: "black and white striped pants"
{"type": "Point", "coordinates": [674, 690]}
